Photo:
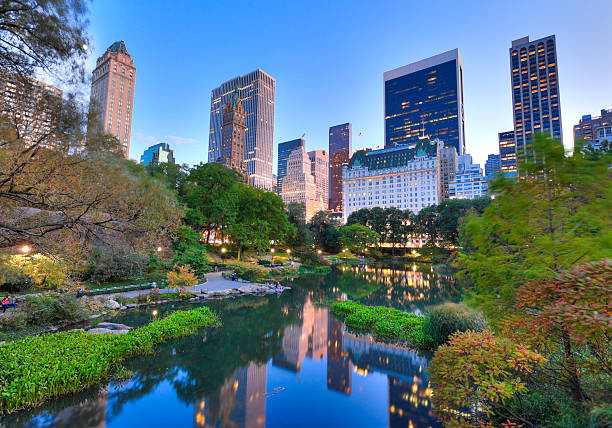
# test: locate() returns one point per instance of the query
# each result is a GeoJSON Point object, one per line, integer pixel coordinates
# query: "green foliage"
{"type": "Point", "coordinates": [67, 362]}
{"type": "Point", "coordinates": [386, 322]}
{"type": "Point", "coordinates": [559, 213]}
{"type": "Point", "coordinates": [13, 278]}
{"type": "Point", "coordinates": [113, 264]}
{"type": "Point", "coordinates": [189, 249]}
{"type": "Point", "coordinates": [478, 369]}
{"type": "Point", "coordinates": [44, 271]}
{"type": "Point", "coordinates": [248, 271]}
{"type": "Point", "coordinates": [296, 214]}
{"type": "Point", "coordinates": [446, 319]}
{"type": "Point", "coordinates": [264, 262]}
{"type": "Point", "coordinates": [326, 231]}
{"type": "Point", "coordinates": [357, 237]}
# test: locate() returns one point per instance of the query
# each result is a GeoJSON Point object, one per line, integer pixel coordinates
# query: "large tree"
{"type": "Point", "coordinates": [558, 214]}
{"type": "Point", "coordinates": [357, 237]}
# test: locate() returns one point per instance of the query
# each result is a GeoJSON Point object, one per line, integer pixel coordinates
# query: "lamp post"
{"type": "Point", "coordinates": [25, 249]}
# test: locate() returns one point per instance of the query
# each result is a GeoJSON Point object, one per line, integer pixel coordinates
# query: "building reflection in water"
{"type": "Point", "coordinates": [239, 402]}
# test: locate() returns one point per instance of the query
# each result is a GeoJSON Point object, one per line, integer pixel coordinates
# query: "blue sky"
{"type": "Point", "coordinates": [328, 58]}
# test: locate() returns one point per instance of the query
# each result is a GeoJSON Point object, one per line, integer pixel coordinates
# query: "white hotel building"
{"type": "Point", "coordinates": [406, 177]}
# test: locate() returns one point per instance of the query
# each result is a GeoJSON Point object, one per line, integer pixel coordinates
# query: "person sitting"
{"type": "Point", "coordinates": [5, 303]}
{"type": "Point", "coordinates": [11, 302]}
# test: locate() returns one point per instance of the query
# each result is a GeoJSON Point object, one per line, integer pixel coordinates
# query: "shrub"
{"type": "Point", "coordinates": [444, 320]}
{"type": "Point", "coordinates": [183, 277]}
{"type": "Point", "coordinates": [264, 262]}
{"type": "Point", "coordinates": [112, 264]}
{"type": "Point", "coordinates": [52, 309]}
{"type": "Point", "coordinates": [23, 271]}
{"type": "Point", "coordinates": [189, 249]}
{"type": "Point", "coordinates": [478, 369]}
{"type": "Point", "coordinates": [14, 279]}
{"type": "Point", "coordinates": [248, 271]}
{"type": "Point", "coordinates": [71, 361]}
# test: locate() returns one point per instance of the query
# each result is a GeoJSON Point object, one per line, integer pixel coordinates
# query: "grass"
{"type": "Point", "coordinates": [385, 322]}
{"type": "Point", "coordinates": [35, 369]}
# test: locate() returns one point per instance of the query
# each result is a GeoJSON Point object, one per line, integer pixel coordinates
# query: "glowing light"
{"type": "Point", "coordinates": [319, 252]}
{"type": "Point", "coordinates": [159, 249]}
{"type": "Point", "coordinates": [223, 250]}
{"type": "Point", "coordinates": [272, 250]}
{"type": "Point", "coordinates": [26, 249]}
{"type": "Point", "coordinates": [155, 312]}
{"type": "Point", "coordinates": [288, 250]}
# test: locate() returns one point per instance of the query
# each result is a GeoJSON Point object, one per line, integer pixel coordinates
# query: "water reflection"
{"type": "Point", "coordinates": [276, 362]}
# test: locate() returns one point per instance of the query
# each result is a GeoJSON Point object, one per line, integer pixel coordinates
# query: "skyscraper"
{"type": "Point", "coordinates": [319, 168]}
{"type": "Point", "coordinates": [156, 154]}
{"type": "Point", "coordinates": [492, 166]}
{"type": "Point", "coordinates": [448, 167]}
{"type": "Point", "coordinates": [257, 92]}
{"type": "Point", "coordinates": [340, 146]}
{"type": "Point", "coordinates": [284, 150]}
{"type": "Point", "coordinates": [30, 107]}
{"type": "Point", "coordinates": [298, 184]}
{"type": "Point", "coordinates": [233, 131]}
{"type": "Point", "coordinates": [469, 183]}
{"type": "Point", "coordinates": [425, 98]}
{"type": "Point", "coordinates": [535, 90]}
{"type": "Point", "coordinates": [507, 153]}
{"type": "Point", "coordinates": [112, 94]}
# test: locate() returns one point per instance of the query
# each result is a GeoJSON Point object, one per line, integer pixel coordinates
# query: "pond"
{"type": "Point", "coordinates": [276, 362]}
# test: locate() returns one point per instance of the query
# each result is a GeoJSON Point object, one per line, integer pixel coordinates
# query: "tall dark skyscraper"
{"type": "Point", "coordinates": [284, 150]}
{"type": "Point", "coordinates": [507, 153]}
{"type": "Point", "coordinates": [340, 146]}
{"type": "Point", "coordinates": [257, 92]}
{"type": "Point", "coordinates": [492, 166]}
{"type": "Point", "coordinates": [233, 135]}
{"type": "Point", "coordinates": [535, 90]}
{"type": "Point", "coordinates": [425, 97]}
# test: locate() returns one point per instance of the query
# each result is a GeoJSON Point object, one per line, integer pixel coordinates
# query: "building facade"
{"type": "Point", "coordinates": [284, 150]}
{"type": "Point", "coordinates": [257, 92]}
{"type": "Point", "coordinates": [298, 185]}
{"type": "Point", "coordinates": [156, 154]}
{"type": "Point", "coordinates": [406, 177]}
{"type": "Point", "coordinates": [469, 183]}
{"type": "Point", "coordinates": [535, 91]}
{"type": "Point", "coordinates": [425, 98]}
{"type": "Point", "coordinates": [492, 166]}
{"type": "Point", "coordinates": [112, 94]}
{"type": "Point", "coordinates": [595, 130]}
{"type": "Point", "coordinates": [448, 167]}
{"type": "Point", "coordinates": [233, 130]}
{"type": "Point", "coordinates": [319, 168]}
{"type": "Point", "coordinates": [30, 107]}
{"type": "Point", "coordinates": [507, 153]}
{"type": "Point", "coordinates": [340, 148]}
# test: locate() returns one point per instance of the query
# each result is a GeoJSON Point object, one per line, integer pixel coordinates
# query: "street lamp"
{"type": "Point", "coordinates": [272, 250]}
{"type": "Point", "coordinates": [288, 250]}
{"type": "Point", "coordinates": [319, 252]}
{"type": "Point", "coordinates": [223, 250]}
{"type": "Point", "coordinates": [25, 249]}
{"type": "Point", "coordinates": [159, 249]}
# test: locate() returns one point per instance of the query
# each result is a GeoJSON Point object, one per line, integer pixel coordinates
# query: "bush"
{"type": "Point", "coordinates": [112, 264]}
{"type": "Point", "coordinates": [71, 361]}
{"type": "Point", "coordinates": [309, 259]}
{"type": "Point", "coordinates": [13, 279]}
{"type": "Point", "coordinates": [248, 271]}
{"type": "Point", "coordinates": [444, 320]}
{"type": "Point", "coordinates": [264, 262]}
{"type": "Point", "coordinates": [189, 249]}
{"type": "Point", "coordinates": [183, 278]}
{"type": "Point", "coordinates": [53, 309]}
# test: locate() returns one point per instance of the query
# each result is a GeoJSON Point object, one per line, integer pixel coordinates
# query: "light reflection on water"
{"type": "Point", "coordinates": [276, 362]}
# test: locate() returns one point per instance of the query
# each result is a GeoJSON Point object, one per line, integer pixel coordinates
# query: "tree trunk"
{"type": "Point", "coordinates": [570, 363]}
{"type": "Point", "coordinates": [239, 251]}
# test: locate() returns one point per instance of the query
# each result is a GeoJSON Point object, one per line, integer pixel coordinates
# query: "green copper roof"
{"type": "Point", "coordinates": [394, 157]}
{"type": "Point", "coordinates": [119, 47]}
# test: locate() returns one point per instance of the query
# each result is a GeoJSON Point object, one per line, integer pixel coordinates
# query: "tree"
{"type": "Point", "coordinates": [357, 237]}
{"type": "Point", "coordinates": [210, 192]}
{"type": "Point", "coordinates": [174, 175]}
{"type": "Point", "coordinates": [326, 231]}
{"type": "Point", "coordinates": [558, 214]}
{"type": "Point", "coordinates": [296, 214]}
{"type": "Point", "coordinates": [260, 219]}
{"type": "Point", "coordinates": [44, 35]}
{"type": "Point", "coordinates": [190, 250]}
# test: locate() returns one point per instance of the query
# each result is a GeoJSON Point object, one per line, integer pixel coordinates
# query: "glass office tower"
{"type": "Point", "coordinates": [425, 97]}
{"type": "Point", "coordinates": [340, 145]}
{"type": "Point", "coordinates": [256, 90]}
{"type": "Point", "coordinates": [507, 153]}
{"type": "Point", "coordinates": [284, 150]}
{"type": "Point", "coordinates": [535, 90]}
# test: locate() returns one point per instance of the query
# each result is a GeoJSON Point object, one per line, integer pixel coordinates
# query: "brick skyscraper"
{"type": "Point", "coordinates": [233, 132]}
{"type": "Point", "coordinates": [112, 93]}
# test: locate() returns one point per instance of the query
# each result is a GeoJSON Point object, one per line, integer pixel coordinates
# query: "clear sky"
{"type": "Point", "coordinates": [328, 59]}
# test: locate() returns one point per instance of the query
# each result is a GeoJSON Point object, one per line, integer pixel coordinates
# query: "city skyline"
{"type": "Point", "coordinates": [358, 94]}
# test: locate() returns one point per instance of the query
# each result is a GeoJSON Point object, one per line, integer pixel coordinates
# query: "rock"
{"type": "Point", "coordinates": [114, 326]}
{"type": "Point", "coordinates": [94, 316]}
{"type": "Point", "coordinates": [131, 306]}
{"type": "Point", "coordinates": [123, 308]}
{"type": "Point", "coordinates": [111, 304]}
{"type": "Point", "coordinates": [54, 329]}
{"type": "Point", "coordinates": [98, 331]}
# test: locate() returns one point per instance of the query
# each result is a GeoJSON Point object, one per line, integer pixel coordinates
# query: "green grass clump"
{"type": "Point", "coordinates": [386, 322]}
{"type": "Point", "coordinates": [35, 369]}
{"type": "Point", "coordinates": [445, 319]}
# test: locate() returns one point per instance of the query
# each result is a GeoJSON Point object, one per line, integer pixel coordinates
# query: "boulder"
{"type": "Point", "coordinates": [111, 304]}
{"type": "Point", "coordinates": [98, 331]}
{"type": "Point", "coordinates": [114, 326]}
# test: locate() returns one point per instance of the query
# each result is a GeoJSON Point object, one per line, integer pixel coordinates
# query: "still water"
{"type": "Point", "coordinates": [276, 362]}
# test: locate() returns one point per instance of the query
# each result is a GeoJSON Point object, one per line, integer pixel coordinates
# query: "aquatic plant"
{"type": "Point", "coordinates": [385, 322]}
{"type": "Point", "coordinates": [35, 369]}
